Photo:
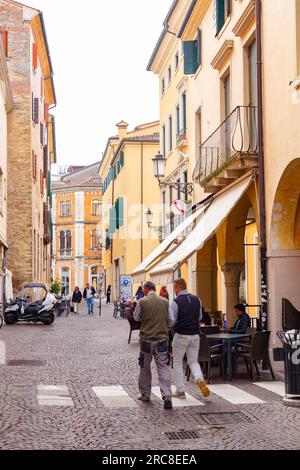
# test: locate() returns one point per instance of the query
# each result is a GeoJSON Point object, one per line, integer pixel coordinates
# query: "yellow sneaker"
{"type": "Point", "coordinates": [203, 388]}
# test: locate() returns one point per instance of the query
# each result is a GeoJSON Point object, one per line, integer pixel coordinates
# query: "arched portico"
{"type": "Point", "coordinates": [284, 246]}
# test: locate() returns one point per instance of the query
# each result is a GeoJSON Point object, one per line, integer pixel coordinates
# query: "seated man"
{"type": "Point", "coordinates": [242, 322]}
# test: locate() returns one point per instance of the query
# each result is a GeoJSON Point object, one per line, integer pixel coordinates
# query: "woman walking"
{"type": "Point", "coordinates": [76, 299]}
{"type": "Point", "coordinates": [108, 295]}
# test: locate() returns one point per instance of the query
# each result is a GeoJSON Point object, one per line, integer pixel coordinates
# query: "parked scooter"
{"type": "Point", "coordinates": [32, 304]}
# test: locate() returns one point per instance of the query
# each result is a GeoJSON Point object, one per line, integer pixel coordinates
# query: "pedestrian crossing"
{"type": "Point", "coordinates": [117, 397]}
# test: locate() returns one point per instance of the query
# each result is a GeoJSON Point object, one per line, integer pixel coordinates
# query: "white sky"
{"type": "Point", "coordinates": [100, 50]}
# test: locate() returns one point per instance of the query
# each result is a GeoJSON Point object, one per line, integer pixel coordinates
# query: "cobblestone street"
{"type": "Point", "coordinates": [86, 358]}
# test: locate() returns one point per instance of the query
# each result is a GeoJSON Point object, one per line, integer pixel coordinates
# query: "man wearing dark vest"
{"type": "Point", "coordinates": [186, 311]}
{"type": "Point", "coordinates": [153, 313]}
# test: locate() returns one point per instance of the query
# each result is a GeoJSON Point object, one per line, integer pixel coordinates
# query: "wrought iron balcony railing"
{"type": "Point", "coordinates": [237, 135]}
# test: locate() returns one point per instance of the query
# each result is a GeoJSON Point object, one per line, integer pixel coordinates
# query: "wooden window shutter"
{"type": "Point", "coordinates": [34, 55]}
{"type": "Point", "coordinates": [4, 37]}
{"type": "Point", "coordinates": [191, 63]}
{"type": "Point", "coordinates": [36, 110]}
{"type": "Point", "coordinates": [220, 15]}
{"type": "Point", "coordinates": [33, 165]}
{"type": "Point", "coordinates": [228, 7]}
{"type": "Point", "coordinates": [46, 113]}
{"type": "Point", "coordinates": [121, 212]}
{"type": "Point", "coordinates": [112, 220]}
{"type": "Point", "coordinates": [199, 47]}
{"type": "Point", "coordinates": [41, 182]}
{"type": "Point", "coordinates": [41, 134]}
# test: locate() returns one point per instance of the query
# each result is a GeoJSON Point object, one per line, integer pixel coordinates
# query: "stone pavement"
{"type": "Point", "coordinates": [81, 393]}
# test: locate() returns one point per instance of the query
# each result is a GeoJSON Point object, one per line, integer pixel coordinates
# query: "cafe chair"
{"type": "Point", "coordinates": [209, 354]}
{"type": "Point", "coordinates": [134, 326]}
{"type": "Point", "coordinates": [252, 353]}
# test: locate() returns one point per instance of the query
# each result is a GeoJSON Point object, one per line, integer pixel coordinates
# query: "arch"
{"type": "Point", "coordinates": [285, 223]}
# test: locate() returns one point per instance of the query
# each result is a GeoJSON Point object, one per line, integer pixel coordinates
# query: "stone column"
{"type": "Point", "coordinates": [232, 273]}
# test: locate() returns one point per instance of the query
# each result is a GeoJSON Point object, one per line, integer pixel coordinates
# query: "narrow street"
{"type": "Point", "coordinates": [84, 359]}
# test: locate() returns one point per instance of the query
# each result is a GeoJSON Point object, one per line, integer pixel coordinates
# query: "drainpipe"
{"type": "Point", "coordinates": [261, 170]}
{"type": "Point", "coordinates": [4, 299]}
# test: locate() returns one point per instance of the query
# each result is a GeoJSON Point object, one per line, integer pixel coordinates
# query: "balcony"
{"type": "Point", "coordinates": [182, 139]}
{"type": "Point", "coordinates": [67, 253]}
{"type": "Point", "coordinates": [230, 151]}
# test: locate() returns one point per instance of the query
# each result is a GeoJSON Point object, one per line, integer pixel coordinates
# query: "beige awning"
{"type": "Point", "coordinates": [139, 274]}
{"type": "Point", "coordinates": [215, 215]}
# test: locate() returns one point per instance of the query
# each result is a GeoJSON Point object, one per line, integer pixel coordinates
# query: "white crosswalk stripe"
{"type": "Point", "coordinates": [54, 395]}
{"type": "Point", "coordinates": [114, 397]}
{"type": "Point", "coordinates": [275, 387]}
{"type": "Point", "coordinates": [234, 394]}
{"type": "Point", "coordinates": [177, 402]}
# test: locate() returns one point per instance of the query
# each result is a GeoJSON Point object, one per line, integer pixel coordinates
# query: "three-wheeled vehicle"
{"type": "Point", "coordinates": [32, 304]}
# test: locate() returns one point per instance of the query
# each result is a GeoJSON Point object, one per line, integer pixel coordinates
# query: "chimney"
{"type": "Point", "coordinates": [122, 129]}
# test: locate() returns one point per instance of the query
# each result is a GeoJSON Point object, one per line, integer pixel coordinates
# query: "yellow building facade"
{"type": "Point", "coordinates": [77, 218]}
{"type": "Point", "coordinates": [129, 190]}
{"type": "Point", "coordinates": [219, 40]}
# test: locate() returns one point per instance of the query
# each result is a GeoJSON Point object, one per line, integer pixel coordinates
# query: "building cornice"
{"type": "Point", "coordinates": [223, 54]}
{"type": "Point", "coordinates": [246, 20]}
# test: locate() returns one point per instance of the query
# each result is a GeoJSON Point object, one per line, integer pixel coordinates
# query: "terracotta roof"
{"type": "Point", "coordinates": [86, 177]}
{"type": "Point", "coordinates": [143, 138]}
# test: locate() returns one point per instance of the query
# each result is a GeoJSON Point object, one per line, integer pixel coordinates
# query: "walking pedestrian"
{"type": "Point", "coordinates": [186, 313]}
{"type": "Point", "coordinates": [153, 313]}
{"type": "Point", "coordinates": [76, 299]}
{"type": "Point", "coordinates": [139, 294]}
{"type": "Point", "coordinates": [88, 295]}
{"type": "Point", "coordinates": [108, 295]}
{"type": "Point", "coordinates": [164, 293]}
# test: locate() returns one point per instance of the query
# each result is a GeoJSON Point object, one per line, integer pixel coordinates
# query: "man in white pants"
{"type": "Point", "coordinates": [186, 313]}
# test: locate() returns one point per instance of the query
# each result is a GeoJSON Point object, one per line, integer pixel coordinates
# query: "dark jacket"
{"type": "Point", "coordinates": [77, 297]}
{"type": "Point", "coordinates": [139, 294]}
{"type": "Point", "coordinates": [241, 324]}
{"type": "Point", "coordinates": [188, 315]}
{"type": "Point", "coordinates": [85, 292]}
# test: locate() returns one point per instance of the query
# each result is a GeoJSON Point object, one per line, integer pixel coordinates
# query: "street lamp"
{"type": "Point", "coordinates": [159, 167]}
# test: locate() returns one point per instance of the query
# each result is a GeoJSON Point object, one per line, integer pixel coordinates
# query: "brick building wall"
{"type": "Point", "coordinates": [19, 258]}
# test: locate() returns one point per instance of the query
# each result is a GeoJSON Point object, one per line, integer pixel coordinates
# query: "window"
{"type": "Point", "coordinates": [4, 42]}
{"type": "Point", "coordinates": [222, 12]}
{"type": "Point", "coordinates": [170, 134]}
{"type": "Point", "coordinates": [35, 110]}
{"type": "Point", "coordinates": [34, 169]}
{"type": "Point", "coordinates": [96, 208]}
{"type": "Point", "coordinates": [184, 111]}
{"type": "Point", "coordinates": [41, 182]}
{"type": "Point", "coordinates": [65, 209]}
{"type": "Point", "coordinates": [119, 211]}
{"type": "Point", "coordinates": [107, 240]}
{"type": "Point", "coordinates": [68, 242]}
{"type": "Point", "coordinates": [95, 239]}
{"type": "Point", "coordinates": [163, 86]}
{"type": "Point", "coordinates": [169, 74]}
{"type": "Point", "coordinates": [177, 120]}
{"type": "Point", "coordinates": [176, 60]}
{"type": "Point", "coordinates": [163, 137]}
{"type": "Point", "coordinates": [62, 241]}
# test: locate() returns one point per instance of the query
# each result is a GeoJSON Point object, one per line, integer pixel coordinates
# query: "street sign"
{"type": "Point", "coordinates": [126, 286]}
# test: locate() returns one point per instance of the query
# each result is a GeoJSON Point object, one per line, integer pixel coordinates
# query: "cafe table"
{"type": "Point", "coordinates": [228, 340]}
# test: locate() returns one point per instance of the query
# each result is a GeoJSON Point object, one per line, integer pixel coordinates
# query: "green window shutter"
{"type": "Point", "coordinates": [199, 39]}
{"type": "Point", "coordinates": [112, 220]}
{"type": "Point", "coordinates": [121, 212]}
{"type": "Point", "coordinates": [191, 63]}
{"type": "Point", "coordinates": [220, 15]}
{"type": "Point", "coordinates": [121, 159]}
{"type": "Point", "coordinates": [118, 166]}
{"type": "Point", "coordinates": [117, 214]}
